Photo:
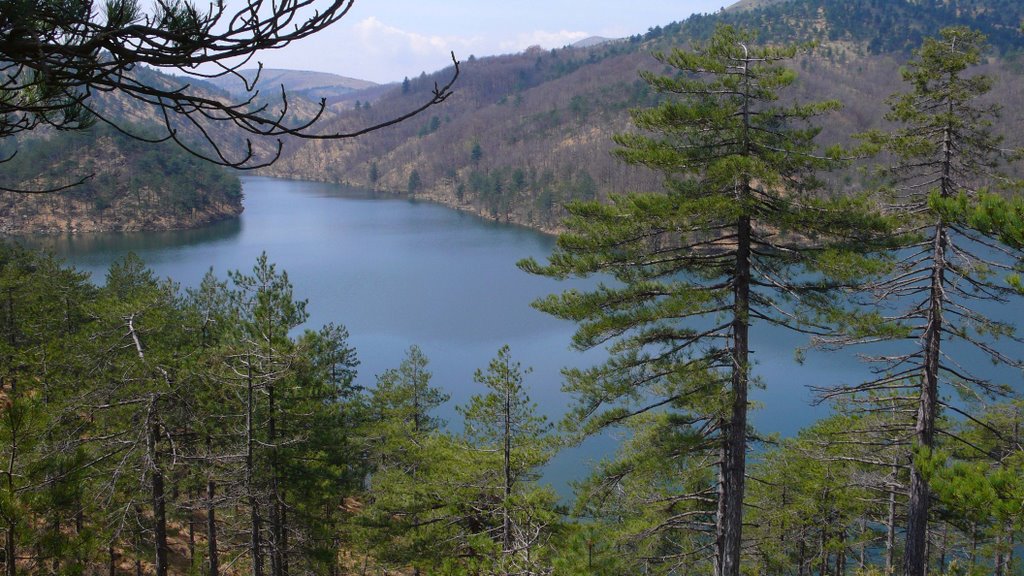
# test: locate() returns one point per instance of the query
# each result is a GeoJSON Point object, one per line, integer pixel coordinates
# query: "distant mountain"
{"type": "Point", "coordinates": [879, 26]}
{"type": "Point", "coordinates": [306, 84]}
{"type": "Point", "coordinates": [526, 133]}
{"type": "Point", "coordinates": [591, 41]}
{"type": "Point", "coordinates": [752, 4]}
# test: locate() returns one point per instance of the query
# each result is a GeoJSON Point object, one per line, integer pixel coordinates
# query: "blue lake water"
{"type": "Point", "coordinates": [398, 272]}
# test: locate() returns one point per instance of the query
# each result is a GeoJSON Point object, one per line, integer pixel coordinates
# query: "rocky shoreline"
{"type": "Point", "coordinates": [58, 214]}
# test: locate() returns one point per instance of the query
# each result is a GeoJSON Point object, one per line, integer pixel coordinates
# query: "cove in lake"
{"type": "Point", "coordinates": [397, 272]}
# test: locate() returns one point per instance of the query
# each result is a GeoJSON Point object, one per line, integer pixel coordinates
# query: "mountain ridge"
{"type": "Point", "coordinates": [526, 133]}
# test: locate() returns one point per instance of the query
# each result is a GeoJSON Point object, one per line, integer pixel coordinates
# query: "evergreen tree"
{"type": "Point", "coordinates": [737, 237]}
{"type": "Point", "coordinates": [265, 311]}
{"type": "Point", "coordinates": [960, 243]}
{"type": "Point", "coordinates": [136, 356]}
{"type": "Point", "coordinates": [510, 442]}
{"type": "Point", "coordinates": [405, 519]}
{"type": "Point", "coordinates": [978, 484]}
{"type": "Point", "coordinates": [819, 501]}
{"type": "Point", "coordinates": [42, 307]}
{"type": "Point", "coordinates": [321, 465]}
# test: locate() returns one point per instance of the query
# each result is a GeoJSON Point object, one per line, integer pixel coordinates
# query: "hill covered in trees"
{"type": "Point", "coordinates": [526, 133]}
{"type": "Point", "coordinates": [116, 184]}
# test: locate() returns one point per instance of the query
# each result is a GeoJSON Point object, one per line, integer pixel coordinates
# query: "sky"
{"type": "Point", "coordinates": [388, 40]}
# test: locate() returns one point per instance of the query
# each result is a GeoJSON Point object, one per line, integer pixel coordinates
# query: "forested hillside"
{"type": "Point", "coordinates": [115, 183]}
{"type": "Point", "coordinates": [882, 26]}
{"type": "Point", "coordinates": [526, 133]}
{"type": "Point", "coordinates": [121, 183]}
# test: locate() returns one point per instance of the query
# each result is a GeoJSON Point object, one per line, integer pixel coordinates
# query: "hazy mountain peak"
{"type": "Point", "coordinates": [591, 41]}
{"type": "Point", "coordinates": [293, 81]}
{"type": "Point", "coordinates": [753, 4]}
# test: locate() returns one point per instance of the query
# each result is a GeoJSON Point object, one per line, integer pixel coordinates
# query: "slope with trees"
{"type": "Point", "coordinates": [527, 133]}
{"type": "Point", "coordinates": [132, 185]}
{"type": "Point", "coordinates": [68, 66]}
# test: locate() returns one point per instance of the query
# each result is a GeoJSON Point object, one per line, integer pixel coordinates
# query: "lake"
{"type": "Point", "coordinates": [397, 272]}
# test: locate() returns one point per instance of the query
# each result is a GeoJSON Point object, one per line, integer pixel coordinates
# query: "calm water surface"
{"type": "Point", "coordinates": [398, 273]}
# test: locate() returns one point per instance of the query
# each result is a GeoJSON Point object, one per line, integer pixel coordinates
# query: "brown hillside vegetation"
{"type": "Point", "coordinates": [526, 133]}
{"type": "Point", "coordinates": [128, 186]}
{"type": "Point", "coordinates": [522, 135]}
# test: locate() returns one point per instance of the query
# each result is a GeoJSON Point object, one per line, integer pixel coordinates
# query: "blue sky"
{"type": "Point", "coordinates": [387, 40]}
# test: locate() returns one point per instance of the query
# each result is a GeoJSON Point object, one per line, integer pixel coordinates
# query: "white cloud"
{"type": "Point", "coordinates": [387, 53]}
{"type": "Point", "coordinates": [542, 38]}
{"type": "Point", "coordinates": [372, 49]}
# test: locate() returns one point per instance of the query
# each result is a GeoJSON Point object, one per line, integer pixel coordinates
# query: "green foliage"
{"type": "Point", "coordinates": [958, 245]}
{"type": "Point", "coordinates": [810, 504]}
{"type": "Point", "coordinates": [881, 25]}
{"type": "Point", "coordinates": [404, 517]}
{"type": "Point", "coordinates": [508, 442]}
{"type": "Point", "coordinates": [742, 231]}
{"type": "Point", "coordinates": [458, 504]}
{"type": "Point", "coordinates": [42, 309]}
{"type": "Point", "coordinates": [115, 399]}
{"type": "Point", "coordinates": [173, 183]}
{"type": "Point", "coordinates": [414, 182]}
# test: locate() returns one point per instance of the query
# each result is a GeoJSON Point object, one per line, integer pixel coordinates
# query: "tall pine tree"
{"type": "Point", "coordinates": [738, 236]}
{"type": "Point", "coordinates": [961, 239]}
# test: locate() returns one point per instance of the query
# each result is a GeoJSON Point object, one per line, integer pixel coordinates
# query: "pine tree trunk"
{"type": "Point", "coordinates": [211, 529]}
{"type": "Point", "coordinates": [823, 554]}
{"type": "Point", "coordinates": [55, 564]}
{"type": "Point", "coordinates": [943, 549]}
{"type": "Point", "coordinates": [914, 560]}
{"type": "Point", "coordinates": [802, 559]}
{"type": "Point", "coordinates": [506, 521]}
{"type": "Point", "coordinates": [890, 526]}
{"type": "Point", "coordinates": [974, 545]}
{"type": "Point", "coordinates": [255, 525]}
{"type": "Point", "coordinates": [10, 541]}
{"type": "Point", "coordinates": [999, 568]}
{"type": "Point", "coordinates": [276, 564]}
{"type": "Point", "coordinates": [10, 549]}
{"type": "Point", "coordinates": [284, 534]}
{"type": "Point", "coordinates": [841, 554]}
{"type": "Point", "coordinates": [862, 556]}
{"type": "Point", "coordinates": [191, 527]}
{"type": "Point", "coordinates": [255, 543]}
{"type": "Point", "coordinates": [732, 471]}
{"type": "Point", "coordinates": [1010, 545]}
{"type": "Point", "coordinates": [159, 505]}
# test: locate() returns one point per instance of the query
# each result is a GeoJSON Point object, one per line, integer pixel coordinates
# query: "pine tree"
{"type": "Point", "coordinates": [321, 465]}
{"type": "Point", "coordinates": [510, 442]}
{"type": "Point", "coordinates": [211, 322]}
{"type": "Point", "coordinates": [265, 312]}
{"type": "Point", "coordinates": [978, 484]}
{"type": "Point", "coordinates": [136, 356]}
{"type": "Point", "coordinates": [404, 518]}
{"type": "Point", "coordinates": [819, 501]}
{"type": "Point", "coordinates": [961, 240]}
{"type": "Point", "coordinates": [42, 482]}
{"type": "Point", "coordinates": [737, 237]}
